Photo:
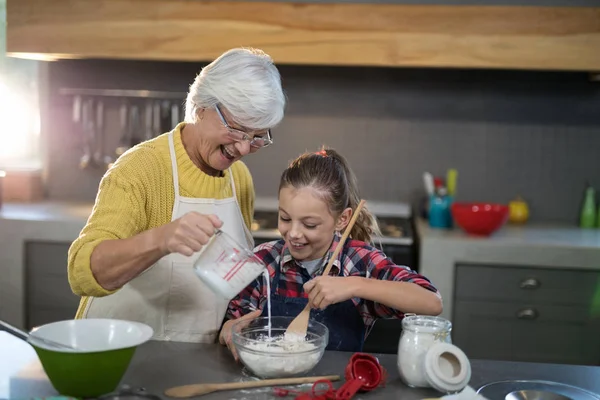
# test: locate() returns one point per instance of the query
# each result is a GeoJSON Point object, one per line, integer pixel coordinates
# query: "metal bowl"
{"type": "Point", "coordinates": [534, 390]}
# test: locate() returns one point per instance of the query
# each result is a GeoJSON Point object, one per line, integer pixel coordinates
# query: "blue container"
{"type": "Point", "coordinates": [439, 211]}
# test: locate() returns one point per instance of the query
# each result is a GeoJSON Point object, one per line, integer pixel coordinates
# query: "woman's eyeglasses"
{"type": "Point", "coordinates": [256, 141]}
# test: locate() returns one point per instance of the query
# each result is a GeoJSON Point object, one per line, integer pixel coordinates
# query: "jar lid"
{"type": "Point", "coordinates": [447, 368]}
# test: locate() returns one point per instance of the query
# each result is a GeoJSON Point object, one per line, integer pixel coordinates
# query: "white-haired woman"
{"type": "Point", "coordinates": [162, 200]}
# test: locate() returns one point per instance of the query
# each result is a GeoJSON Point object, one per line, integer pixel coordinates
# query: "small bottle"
{"type": "Point", "coordinates": [439, 209]}
{"type": "Point", "coordinates": [587, 217]}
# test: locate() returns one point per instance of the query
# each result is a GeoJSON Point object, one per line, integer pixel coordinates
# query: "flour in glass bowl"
{"type": "Point", "coordinates": [274, 357]}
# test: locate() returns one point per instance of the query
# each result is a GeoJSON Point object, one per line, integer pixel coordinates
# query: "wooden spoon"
{"type": "Point", "coordinates": [299, 325]}
{"type": "Point", "coordinates": [199, 389]}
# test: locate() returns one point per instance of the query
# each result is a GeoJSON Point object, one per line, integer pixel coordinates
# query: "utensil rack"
{"type": "Point", "coordinates": [123, 93]}
{"type": "Point", "coordinates": [142, 115]}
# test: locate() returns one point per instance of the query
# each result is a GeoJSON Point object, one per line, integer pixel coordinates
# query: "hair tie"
{"type": "Point", "coordinates": [322, 153]}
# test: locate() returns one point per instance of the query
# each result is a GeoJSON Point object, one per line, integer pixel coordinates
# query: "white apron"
{"type": "Point", "coordinates": [168, 296]}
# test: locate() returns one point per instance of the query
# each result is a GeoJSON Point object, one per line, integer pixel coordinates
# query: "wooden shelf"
{"type": "Point", "coordinates": [542, 38]}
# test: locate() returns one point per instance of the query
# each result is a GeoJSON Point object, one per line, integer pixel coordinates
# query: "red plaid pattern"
{"type": "Point", "coordinates": [356, 258]}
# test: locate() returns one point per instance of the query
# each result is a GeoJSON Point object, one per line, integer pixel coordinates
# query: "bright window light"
{"type": "Point", "coordinates": [19, 128]}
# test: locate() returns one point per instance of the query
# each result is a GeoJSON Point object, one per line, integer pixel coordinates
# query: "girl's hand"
{"type": "Point", "coordinates": [325, 290]}
{"type": "Point", "coordinates": [225, 335]}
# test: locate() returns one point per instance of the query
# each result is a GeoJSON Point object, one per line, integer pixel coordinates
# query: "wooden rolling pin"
{"type": "Point", "coordinates": [199, 389]}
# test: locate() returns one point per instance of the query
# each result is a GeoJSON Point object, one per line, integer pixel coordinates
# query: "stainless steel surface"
{"type": "Point", "coordinates": [535, 395]}
{"type": "Point", "coordinates": [534, 390]}
{"type": "Point", "coordinates": [157, 366]}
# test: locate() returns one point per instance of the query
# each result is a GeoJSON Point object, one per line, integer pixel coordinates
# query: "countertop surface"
{"type": "Point", "coordinates": [525, 235]}
{"type": "Point", "coordinates": [531, 234]}
{"type": "Point", "coordinates": [158, 366]}
{"type": "Point", "coordinates": [47, 211]}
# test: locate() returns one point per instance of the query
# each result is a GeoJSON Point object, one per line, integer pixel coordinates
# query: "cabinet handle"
{"type": "Point", "coordinates": [530, 283]}
{"type": "Point", "coordinates": [528, 313]}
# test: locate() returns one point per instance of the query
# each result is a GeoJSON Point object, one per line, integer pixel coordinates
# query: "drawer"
{"type": "Point", "coordinates": [526, 284]}
{"type": "Point", "coordinates": [520, 332]}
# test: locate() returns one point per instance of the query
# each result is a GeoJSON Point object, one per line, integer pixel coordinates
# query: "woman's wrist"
{"type": "Point", "coordinates": [156, 240]}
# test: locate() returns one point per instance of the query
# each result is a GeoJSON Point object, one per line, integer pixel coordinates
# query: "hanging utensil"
{"type": "Point", "coordinates": [124, 141]}
{"type": "Point", "coordinates": [87, 125]}
{"type": "Point", "coordinates": [174, 115]}
{"type": "Point", "coordinates": [299, 325]}
{"type": "Point", "coordinates": [149, 120]}
{"type": "Point", "coordinates": [205, 388]}
{"type": "Point", "coordinates": [99, 133]}
{"type": "Point", "coordinates": [134, 126]}
{"type": "Point", "coordinates": [77, 109]}
{"type": "Point", "coordinates": [105, 159]}
{"type": "Point", "coordinates": [157, 120]}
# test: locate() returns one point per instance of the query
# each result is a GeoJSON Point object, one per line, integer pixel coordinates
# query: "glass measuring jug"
{"type": "Point", "coordinates": [226, 266]}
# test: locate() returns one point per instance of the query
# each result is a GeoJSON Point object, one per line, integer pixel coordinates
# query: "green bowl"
{"type": "Point", "coordinates": [102, 351]}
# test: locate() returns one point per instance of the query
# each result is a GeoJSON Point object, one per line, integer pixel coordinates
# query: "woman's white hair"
{"type": "Point", "coordinates": [246, 82]}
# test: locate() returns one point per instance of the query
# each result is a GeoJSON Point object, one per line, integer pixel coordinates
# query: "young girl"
{"type": "Point", "coordinates": [317, 195]}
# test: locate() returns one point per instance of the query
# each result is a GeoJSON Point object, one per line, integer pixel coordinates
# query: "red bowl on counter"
{"type": "Point", "coordinates": [480, 219]}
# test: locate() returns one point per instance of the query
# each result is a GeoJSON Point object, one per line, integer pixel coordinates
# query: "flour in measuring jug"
{"type": "Point", "coordinates": [267, 279]}
{"type": "Point", "coordinates": [229, 279]}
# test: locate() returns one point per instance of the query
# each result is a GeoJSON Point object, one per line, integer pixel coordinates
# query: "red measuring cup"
{"type": "Point", "coordinates": [363, 373]}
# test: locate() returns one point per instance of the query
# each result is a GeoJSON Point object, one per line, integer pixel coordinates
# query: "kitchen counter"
{"type": "Point", "coordinates": [531, 245]}
{"type": "Point", "coordinates": [22, 222]}
{"type": "Point", "coordinates": [158, 366]}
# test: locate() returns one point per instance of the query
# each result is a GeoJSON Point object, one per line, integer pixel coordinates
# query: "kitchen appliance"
{"type": "Point", "coordinates": [397, 241]}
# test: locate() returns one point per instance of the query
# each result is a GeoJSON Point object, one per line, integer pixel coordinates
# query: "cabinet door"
{"type": "Point", "coordinates": [527, 284]}
{"type": "Point", "coordinates": [48, 295]}
{"type": "Point", "coordinates": [526, 332]}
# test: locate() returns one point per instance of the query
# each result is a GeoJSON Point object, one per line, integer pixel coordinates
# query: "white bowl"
{"type": "Point", "coordinates": [92, 335]}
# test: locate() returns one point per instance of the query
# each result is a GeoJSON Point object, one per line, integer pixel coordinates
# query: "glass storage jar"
{"type": "Point", "coordinates": [419, 334]}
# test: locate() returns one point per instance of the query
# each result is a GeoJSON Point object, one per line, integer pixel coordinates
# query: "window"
{"type": "Point", "coordinates": [19, 108]}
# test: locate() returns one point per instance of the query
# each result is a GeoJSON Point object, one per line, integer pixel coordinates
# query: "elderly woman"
{"type": "Point", "coordinates": [163, 199]}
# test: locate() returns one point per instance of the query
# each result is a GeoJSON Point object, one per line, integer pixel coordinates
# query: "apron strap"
{"type": "Point", "coordinates": [249, 237]}
{"type": "Point", "coordinates": [174, 165]}
{"type": "Point", "coordinates": [232, 183]}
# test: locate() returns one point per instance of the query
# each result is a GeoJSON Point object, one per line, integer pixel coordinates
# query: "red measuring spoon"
{"type": "Point", "coordinates": [363, 373]}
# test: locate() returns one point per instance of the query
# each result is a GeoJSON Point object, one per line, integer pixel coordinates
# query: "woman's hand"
{"type": "Point", "coordinates": [325, 290]}
{"type": "Point", "coordinates": [187, 234]}
{"type": "Point", "coordinates": [225, 335]}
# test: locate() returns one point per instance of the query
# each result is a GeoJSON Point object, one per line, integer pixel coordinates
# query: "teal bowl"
{"type": "Point", "coordinates": [102, 351]}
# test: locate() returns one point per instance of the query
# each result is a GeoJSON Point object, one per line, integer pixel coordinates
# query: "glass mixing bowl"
{"type": "Point", "coordinates": [274, 356]}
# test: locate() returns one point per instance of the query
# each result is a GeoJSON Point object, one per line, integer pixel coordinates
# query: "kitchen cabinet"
{"type": "Point", "coordinates": [47, 292]}
{"type": "Point", "coordinates": [317, 33]}
{"type": "Point", "coordinates": [527, 314]}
